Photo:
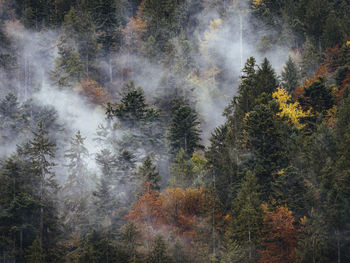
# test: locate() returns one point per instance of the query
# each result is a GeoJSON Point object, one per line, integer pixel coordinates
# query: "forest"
{"type": "Point", "coordinates": [174, 131]}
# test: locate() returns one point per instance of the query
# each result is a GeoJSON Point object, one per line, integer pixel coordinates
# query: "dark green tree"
{"type": "Point", "coordinates": [290, 76]}
{"type": "Point", "coordinates": [158, 253]}
{"type": "Point", "coordinates": [184, 130]}
{"type": "Point", "coordinates": [319, 96]}
{"type": "Point", "coordinates": [182, 171]}
{"type": "Point", "coordinates": [247, 215]}
{"type": "Point", "coordinates": [41, 152]}
{"type": "Point", "coordinates": [265, 79]}
{"type": "Point", "coordinates": [149, 173]}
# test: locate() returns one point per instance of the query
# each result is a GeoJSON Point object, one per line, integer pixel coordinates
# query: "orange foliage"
{"type": "Point", "coordinates": [148, 209]}
{"type": "Point", "coordinates": [91, 90]}
{"type": "Point", "coordinates": [299, 91]}
{"type": "Point", "coordinates": [135, 28]}
{"type": "Point", "coordinates": [279, 236]}
{"type": "Point", "coordinates": [176, 209]}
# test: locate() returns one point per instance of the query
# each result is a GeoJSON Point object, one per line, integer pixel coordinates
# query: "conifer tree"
{"type": "Point", "coordinates": [265, 79]}
{"type": "Point", "coordinates": [182, 171]}
{"type": "Point", "coordinates": [290, 76]}
{"type": "Point", "coordinates": [35, 253]}
{"type": "Point", "coordinates": [76, 186]}
{"type": "Point", "coordinates": [158, 253]}
{"type": "Point", "coordinates": [149, 173]}
{"type": "Point", "coordinates": [247, 215]}
{"type": "Point", "coordinates": [41, 152]}
{"type": "Point", "coordinates": [184, 130]}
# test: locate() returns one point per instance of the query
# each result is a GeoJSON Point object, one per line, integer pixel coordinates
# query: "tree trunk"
{"type": "Point", "coordinates": [250, 245]}
{"type": "Point", "coordinates": [241, 37]}
{"type": "Point", "coordinates": [338, 245]}
{"type": "Point", "coordinates": [110, 70]}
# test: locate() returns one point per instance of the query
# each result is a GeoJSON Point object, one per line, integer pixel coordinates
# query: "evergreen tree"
{"type": "Point", "coordinates": [222, 163]}
{"type": "Point", "coordinates": [131, 239]}
{"type": "Point", "coordinates": [265, 79]}
{"type": "Point", "coordinates": [11, 118]}
{"type": "Point", "coordinates": [332, 32]}
{"type": "Point", "coordinates": [40, 151]}
{"type": "Point", "coordinates": [184, 131]}
{"type": "Point", "coordinates": [76, 186]}
{"type": "Point", "coordinates": [319, 96]}
{"type": "Point", "coordinates": [246, 88]}
{"type": "Point", "coordinates": [247, 215]}
{"type": "Point", "coordinates": [149, 173]}
{"type": "Point", "coordinates": [182, 171]}
{"type": "Point", "coordinates": [267, 140]}
{"type": "Point", "coordinates": [158, 253]}
{"type": "Point", "coordinates": [290, 76]}
{"type": "Point", "coordinates": [35, 253]}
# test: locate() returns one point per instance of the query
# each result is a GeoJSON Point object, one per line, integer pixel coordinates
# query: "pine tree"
{"type": "Point", "coordinates": [41, 150]}
{"type": "Point", "coordinates": [332, 32]}
{"type": "Point", "coordinates": [319, 96]}
{"type": "Point", "coordinates": [184, 130]}
{"type": "Point", "coordinates": [158, 253]}
{"type": "Point", "coordinates": [132, 107]}
{"type": "Point", "coordinates": [245, 101]}
{"type": "Point", "coordinates": [290, 76]}
{"type": "Point", "coordinates": [265, 79]}
{"type": "Point", "coordinates": [222, 163]}
{"type": "Point", "coordinates": [314, 241]}
{"type": "Point", "coordinates": [131, 237]}
{"type": "Point", "coordinates": [149, 173]}
{"type": "Point", "coordinates": [182, 171]}
{"type": "Point", "coordinates": [267, 140]}
{"type": "Point", "coordinates": [76, 186]}
{"type": "Point", "coordinates": [11, 118]}
{"type": "Point", "coordinates": [247, 215]}
{"type": "Point", "coordinates": [35, 253]}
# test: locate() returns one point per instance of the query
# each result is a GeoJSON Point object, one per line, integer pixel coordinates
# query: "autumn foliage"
{"type": "Point", "coordinates": [289, 109]}
{"type": "Point", "coordinates": [91, 90]}
{"type": "Point", "coordinates": [177, 210]}
{"type": "Point", "coordinates": [279, 236]}
{"type": "Point", "coordinates": [135, 28]}
{"type": "Point", "coordinates": [299, 91]}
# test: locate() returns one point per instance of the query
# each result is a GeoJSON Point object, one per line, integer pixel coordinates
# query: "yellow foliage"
{"type": "Point", "coordinates": [331, 116]}
{"type": "Point", "coordinates": [292, 111]}
{"type": "Point", "coordinates": [258, 2]}
{"type": "Point", "coordinates": [348, 43]}
{"type": "Point", "coordinates": [210, 34]}
{"type": "Point", "coordinates": [199, 161]}
{"type": "Point", "coordinates": [215, 24]}
{"type": "Point", "coordinates": [280, 172]}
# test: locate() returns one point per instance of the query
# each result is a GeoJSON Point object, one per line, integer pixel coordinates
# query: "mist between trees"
{"type": "Point", "coordinates": [174, 131]}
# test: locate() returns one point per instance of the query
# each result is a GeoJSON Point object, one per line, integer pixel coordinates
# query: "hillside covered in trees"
{"type": "Point", "coordinates": [160, 131]}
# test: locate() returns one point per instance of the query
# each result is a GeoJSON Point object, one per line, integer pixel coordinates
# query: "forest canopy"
{"type": "Point", "coordinates": [174, 131]}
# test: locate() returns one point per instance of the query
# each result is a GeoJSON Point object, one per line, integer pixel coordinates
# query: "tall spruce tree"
{"type": "Point", "coordinates": [149, 173]}
{"type": "Point", "coordinates": [75, 189]}
{"type": "Point", "coordinates": [184, 129]}
{"type": "Point", "coordinates": [290, 76]}
{"type": "Point", "coordinates": [41, 152]}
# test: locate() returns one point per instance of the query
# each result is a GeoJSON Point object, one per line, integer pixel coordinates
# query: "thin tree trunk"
{"type": "Point", "coordinates": [241, 38]}
{"type": "Point", "coordinates": [250, 245]}
{"type": "Point", "coordinates": [338, 244]}
{"type": "Point", "coordinates": [213, 215]}
{"type": "Point", "coordinates": [110, 70]}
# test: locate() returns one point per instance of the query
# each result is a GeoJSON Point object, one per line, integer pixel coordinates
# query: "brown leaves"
{"type": "Point", "coordinates": [279, 236]}
{"type": "Point", "coordinates": [91, 90]}
{"type": "Point", "coordinates": [176, 209]}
